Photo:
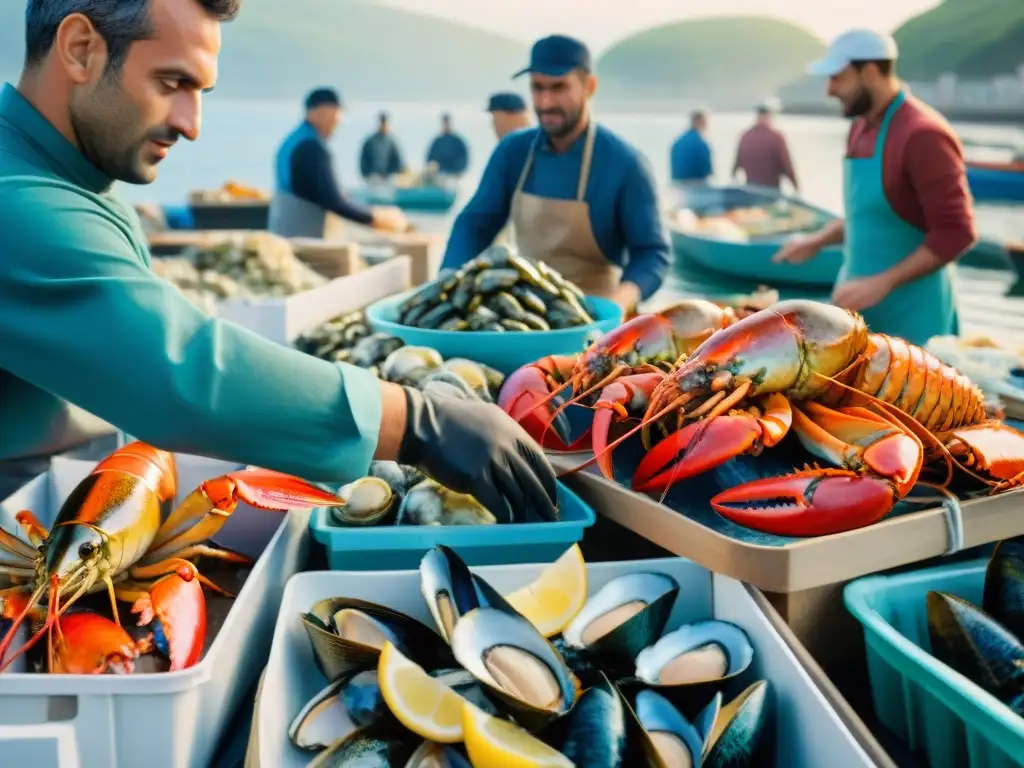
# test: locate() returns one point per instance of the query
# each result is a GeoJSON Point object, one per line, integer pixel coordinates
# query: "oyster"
{"type": "Point", "coordinates": [408, 365]}
{"type": "Point", "coordinates": [430, 503]}
{"type": "Point", "coordinates": [398, 476]}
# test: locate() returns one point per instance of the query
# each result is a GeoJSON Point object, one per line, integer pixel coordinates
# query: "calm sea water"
{"type": "Point", "coordinates": [239, 139]}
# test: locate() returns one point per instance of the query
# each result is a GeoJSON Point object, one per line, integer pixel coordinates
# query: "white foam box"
{"type": "Point", "coordinates": [283, 319]}
{"type": "Point", "coordinates": [808, 732]}
{"type": "Point", "coordinates": [155, 720]}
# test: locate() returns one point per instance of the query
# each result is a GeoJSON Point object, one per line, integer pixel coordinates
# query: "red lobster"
{"type": "Point", "coordinates": [647, 345]}
{"type": "Point", "coordinates": [110, 534]}
{"type": "Point", "coordinates": [874, 406]}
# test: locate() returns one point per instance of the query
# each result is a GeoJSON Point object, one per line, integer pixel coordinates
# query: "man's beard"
{"type": "Point", "coordinates": [106, 125]}
{"type": "Point", "coordinates": [860, 104]}
{"type": "Point", "coordinates": [570, 121]}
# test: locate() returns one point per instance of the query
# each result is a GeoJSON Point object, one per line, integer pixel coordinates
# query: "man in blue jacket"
{"type": "Point", "coordinates": [691, 155]}
{"type": "Point", "coordinates": [449, 151]}
{"type": "Point", "coordinates": [380, 158]}
{"type": "Point", "coordinates": [88, 330]}
{"type": "Point", "coordinates": [578, 197]}
{"type": "Point", "coordinates": [305, 186]}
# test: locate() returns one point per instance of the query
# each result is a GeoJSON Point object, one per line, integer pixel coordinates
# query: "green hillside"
{"type": "Point", "coordinates": [721, 61]}
{"type": "Point", "coordinates": [971, 38]}
{"type": "Point", "coordinates": [277, 49]}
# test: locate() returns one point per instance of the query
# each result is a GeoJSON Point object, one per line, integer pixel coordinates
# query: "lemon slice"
{"type": "Point", "coordinates": [423, 704]}
{"type": "Point", "coordinates": [490, 741]}
{"type": "Point", "coordinates": [556, 596]}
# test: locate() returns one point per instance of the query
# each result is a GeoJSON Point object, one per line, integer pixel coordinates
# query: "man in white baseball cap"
{"type": "Point", "coordinates": [908, 210]}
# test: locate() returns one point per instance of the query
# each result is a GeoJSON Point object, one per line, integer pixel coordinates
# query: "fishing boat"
{"type": "Point", "coordinates": [736, 230]}
{"type": "Point", "coordinates": [1003, 182]}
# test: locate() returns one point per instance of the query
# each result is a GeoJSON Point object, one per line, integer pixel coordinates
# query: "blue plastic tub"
{"type": "Point", "coordinates": [402, 547]}
{"type": "Point", "coordinates": [503, 351]}
{"type": "Point", "coordinates": [935, 710]}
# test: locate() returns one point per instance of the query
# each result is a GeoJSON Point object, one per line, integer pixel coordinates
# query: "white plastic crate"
{"type": "Point", "coordinates": [282, 319]}
{"type": "Point", "coordinates": [809, 733]}
{"type": "Point", "coordinates": [168, 720]}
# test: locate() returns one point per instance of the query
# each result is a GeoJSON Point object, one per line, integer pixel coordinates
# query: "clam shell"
{"type": "Point", "coordinates": [696, 653]}
{"type": "Point", "coordinates": [625, 616]}
{"type": "Point", "coordinates": [1004, 586]}
{"type": "Point", "coordinates": [365, 627]}
{"type": "Point", "coordinates": [518, 666]}
{"type": "Point", "coordinates": [451, 590]}
{"type": "Point", "coordinates": [739, 728]}
{"type": "Point", "coordinates": [978, 647]}
{"type": "Point", "coordinates": [593, 734]}
{"type": "Point", "coordinates": [368, 501]}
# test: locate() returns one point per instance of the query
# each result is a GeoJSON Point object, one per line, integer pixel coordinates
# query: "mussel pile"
{"type": "Point", "coordinates": [499, 290]}
{"type": "Point", "coordinates": [603, 686]}
{"type": "Point", "coordinates": [257, 265]}
{"type": "Point", "coordinates": [348, 339]}
{"type": "Point", "coordinates": [986, 645]}
{"type": "Point", "coordinates": [394, 494]}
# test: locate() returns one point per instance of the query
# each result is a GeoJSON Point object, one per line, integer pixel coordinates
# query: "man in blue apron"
{"type": "Point", "coordinates": [908, 210]}
{"type": "Point", "coordinates": [579, 198]}
{"type": "Point", "coordinates": [88, 332]}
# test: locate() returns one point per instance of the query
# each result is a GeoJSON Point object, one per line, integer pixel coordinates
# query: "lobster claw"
{"type": "Point", "coordinates": [90, 644]}
{"type": "Point", "coordinates": [266, 489]}
{"type": "Point", "coordinates": [814, 502]}
{"type": "Point", "coordinates": [175, 610]}
{"type": "Point", "coordinates": [617, 400]}
{"type": "Point", "coordinates": [527, 397]}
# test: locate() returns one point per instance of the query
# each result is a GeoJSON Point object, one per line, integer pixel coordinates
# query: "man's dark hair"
{"type": "Point", "coordinates": [119, 22]}
{"type": "Point", "coordinates": [885, 66]}
{"type": "Point", "coordinates": [696, 115]}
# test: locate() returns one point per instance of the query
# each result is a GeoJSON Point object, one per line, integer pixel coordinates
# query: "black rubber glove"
{"type": "Point", "coordinates": [476, 448]}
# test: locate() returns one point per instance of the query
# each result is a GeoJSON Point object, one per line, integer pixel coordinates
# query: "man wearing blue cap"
{"type": "Point", "coordinates": [908, 209]}
{"type": "Point", "coordinates": [305, 185]}
{"type": "Point", "coordinates": [601, 230]}
{"type": "Point", "coordinates": [508, 113]}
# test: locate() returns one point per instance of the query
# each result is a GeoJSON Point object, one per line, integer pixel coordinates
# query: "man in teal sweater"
{"type": "Point", "coordinates": [87, 330]}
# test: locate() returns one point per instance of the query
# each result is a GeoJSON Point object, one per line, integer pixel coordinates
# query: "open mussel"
{"type": "Point", "coordinates": [702, 652]}
{"type": "Point", "coordinates": [593, 734]}
{"type": "Point", "coordinates": [368, 501]}
{"type": "Point", "coordinates": [738, 729]}
{"type": "Point", "coordinates": [670, 740]}
{"type": "Point", "coordinates": [451, 590]}
{"type": "Point", "coordinates": [348, 634]}
{"type": "Point", "coordinates": [350, 702]}
{"type": "Point", "coordinates": [1004, 586]}
{"type": "Point", "coordinates": [367, 748]}
{"type": "Point", "coordinates": [978, 647]}
{"type": "Point", "coordinates": [433, 755]}
{"type": "Point", "coordinates": [623, 617]}
{"type": "Point", "coordinates": [518, 666]}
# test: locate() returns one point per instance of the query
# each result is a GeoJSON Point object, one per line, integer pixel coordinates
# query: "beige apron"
{"type": "Point", "coordinates": [558, 232]}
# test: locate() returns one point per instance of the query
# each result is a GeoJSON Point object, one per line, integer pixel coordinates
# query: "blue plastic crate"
{"type": "Point", "coordinates": [934, 709]}
{"type": "Point", "coordinates": [401, 547]}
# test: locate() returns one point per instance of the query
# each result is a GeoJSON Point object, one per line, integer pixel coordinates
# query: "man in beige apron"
{"type": "Point", "coordinates": [606, 236]}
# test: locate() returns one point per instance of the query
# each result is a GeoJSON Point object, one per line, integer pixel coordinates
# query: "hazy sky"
{"type": "Point", "coordinates": [602, 22]}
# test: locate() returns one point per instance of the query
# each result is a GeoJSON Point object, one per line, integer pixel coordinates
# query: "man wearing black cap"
{"type": "Point", "coordinates": [380, 157]}
{"type": "Point", "coordinates": [606, 236]}
{"type": "Point", "coordinates": [306, 188]}
{"type": "Point", "coordinates": [508, 113]}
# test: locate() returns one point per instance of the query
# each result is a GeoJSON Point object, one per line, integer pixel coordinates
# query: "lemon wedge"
{"type": "Point", "coordinates": [556, 595]}
{"type": "Point", "coordinates": [423, 704]}
{"type": "Point", "coordinates": [490, 741]}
